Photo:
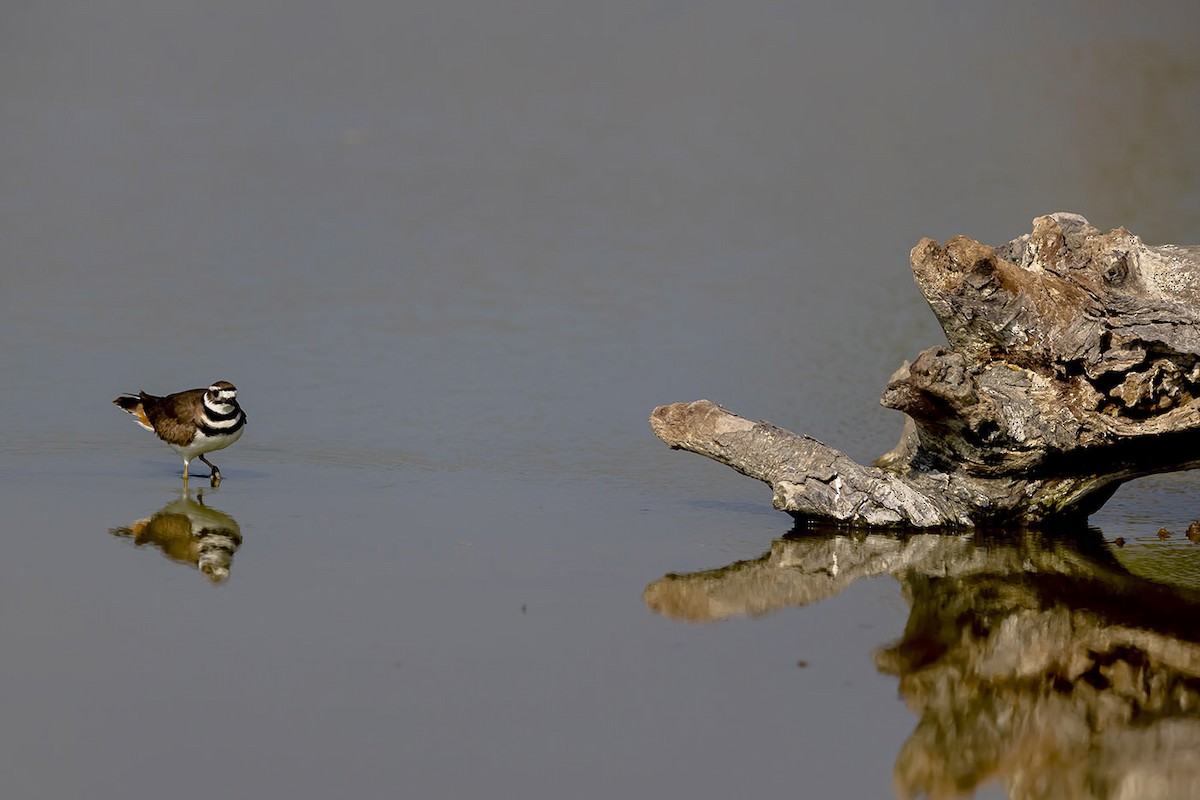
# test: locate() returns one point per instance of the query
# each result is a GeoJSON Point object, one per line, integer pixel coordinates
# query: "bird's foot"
{"type": "Point", "coordinates": [214, 477]}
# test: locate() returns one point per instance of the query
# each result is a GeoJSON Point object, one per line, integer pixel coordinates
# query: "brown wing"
{"type": "Point", "coordinates": [174, 417]}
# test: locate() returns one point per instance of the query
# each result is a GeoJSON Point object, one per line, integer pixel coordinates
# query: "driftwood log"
{"type": "Point", "coordinates": [1073, 366]}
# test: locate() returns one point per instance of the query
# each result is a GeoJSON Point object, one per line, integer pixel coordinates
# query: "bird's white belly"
{"type": "Point", "coordinates": [202, 443]}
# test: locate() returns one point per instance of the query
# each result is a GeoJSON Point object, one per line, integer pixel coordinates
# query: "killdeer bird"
{"type": "Point", "coordinates": [193, 423]}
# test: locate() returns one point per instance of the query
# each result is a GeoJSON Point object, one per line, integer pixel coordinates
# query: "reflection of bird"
{"type": "Point", "coordinates": [193, 423]}
{"type": "Point", "coordinates": [190, 532]}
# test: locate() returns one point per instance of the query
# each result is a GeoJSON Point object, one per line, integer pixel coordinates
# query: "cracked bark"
{"type": "Point", "coordinates": [1072, 366]}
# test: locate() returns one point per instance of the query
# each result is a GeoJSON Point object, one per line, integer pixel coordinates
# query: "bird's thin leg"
{"type": "Point", "coordinates": [185, 466]}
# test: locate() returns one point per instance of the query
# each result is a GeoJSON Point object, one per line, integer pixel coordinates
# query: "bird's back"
{"type": "Point", "coordinates": [175, 416]}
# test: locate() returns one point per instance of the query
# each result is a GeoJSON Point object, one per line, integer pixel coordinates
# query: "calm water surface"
{"type": "Point", "coordinates": [453, 254]}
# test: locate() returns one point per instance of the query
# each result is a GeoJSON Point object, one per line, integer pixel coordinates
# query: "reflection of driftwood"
{"type": "Point", "coordinates": [191, 533]}
{"type": "Point", "coordinates": [1042, 664]}
{"type": "Point", "coordinates": [1073, 366]}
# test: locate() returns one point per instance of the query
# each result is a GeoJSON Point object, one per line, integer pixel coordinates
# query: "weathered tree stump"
{"type": "Point", "coordinates": [1073, 366]}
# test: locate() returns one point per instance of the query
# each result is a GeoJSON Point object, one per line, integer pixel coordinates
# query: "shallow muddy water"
{"type": "Point", "coordinates": [452, 254]}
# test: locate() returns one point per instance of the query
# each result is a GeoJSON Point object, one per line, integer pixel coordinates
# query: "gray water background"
{"type": "Point", "coordinates": [452, 254]}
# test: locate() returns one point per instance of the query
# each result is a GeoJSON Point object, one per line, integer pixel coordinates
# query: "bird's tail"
{"type": "Point", "coordinates": [132, 404]}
